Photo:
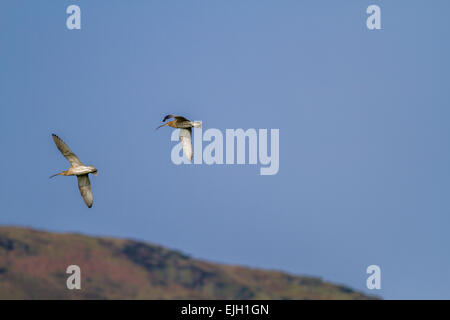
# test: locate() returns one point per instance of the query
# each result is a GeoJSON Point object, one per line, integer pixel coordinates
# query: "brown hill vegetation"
{"type": "Point", "coordinates": [33, 265]}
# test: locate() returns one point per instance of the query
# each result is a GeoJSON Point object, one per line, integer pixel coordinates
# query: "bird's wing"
{"type": "Point", "coordinates": [180, 118]}
{"type": "Point", "coordinates": [85, 189]}
{"type": "Point", "coordinates": [186, 142]}
{"type": "Point", "coordinates": [66, 152]}
{"type": "Point", "coordinates": [170, 116]}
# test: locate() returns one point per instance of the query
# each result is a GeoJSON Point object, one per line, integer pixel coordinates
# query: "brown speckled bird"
{"type": "Point", "coordinates": [77, 168]}
{"type": "Point", "coordinates": [185, 127]}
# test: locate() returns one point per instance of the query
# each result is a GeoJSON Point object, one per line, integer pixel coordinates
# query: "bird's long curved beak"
{"type": "Point", "coordinates": [165, 124]}
{"type": "Point", "coordinates": [56, 174]}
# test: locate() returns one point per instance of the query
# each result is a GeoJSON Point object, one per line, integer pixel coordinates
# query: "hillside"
{"type": "Point", "coordinates": [33, 265]}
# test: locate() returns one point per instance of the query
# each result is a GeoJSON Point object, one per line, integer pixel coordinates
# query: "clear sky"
{"type": "Point", "coordinates": [363, 116]}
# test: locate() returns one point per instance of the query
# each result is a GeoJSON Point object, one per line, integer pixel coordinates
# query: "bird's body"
{"type": "Point", "coordinates": [185, 127]}
{"type": "Point", "coordinates": [180, 122]}
{"type": "Point", "coordinates": [76, 171]}
{"type": "Point", "coordinates": [77, 168]}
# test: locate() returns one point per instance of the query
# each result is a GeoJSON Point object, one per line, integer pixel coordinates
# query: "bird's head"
{"type": "Point", "coordinates": [93, 170]}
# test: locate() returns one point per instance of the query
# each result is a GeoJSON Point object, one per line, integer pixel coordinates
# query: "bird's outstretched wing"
{"type": "Point", "coordinates": [186, 142]}
{"type": "Point", "coordinates": [66, 152]}
{"type": "Point", "coordinates": [170, 116]}
{"type": "Point", "coordinates": [85, 189]}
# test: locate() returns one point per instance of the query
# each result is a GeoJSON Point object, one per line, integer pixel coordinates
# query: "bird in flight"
{"type": "Point", "coordinates": [185, 127]}
{"type": "Point", "coordinates": [77, 168]}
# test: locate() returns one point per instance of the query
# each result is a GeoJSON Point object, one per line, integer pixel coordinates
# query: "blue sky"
{"type": "Point", "coordinates": [363, 118]}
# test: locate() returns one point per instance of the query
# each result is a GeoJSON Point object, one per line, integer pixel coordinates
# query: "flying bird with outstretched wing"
{"type": "Point", "coordinates": [77, 168]}
{"type": "Point", "coordinates": [185, 127]}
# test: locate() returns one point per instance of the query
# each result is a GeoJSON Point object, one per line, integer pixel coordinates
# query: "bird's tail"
{"type": "Point", "coordinates": [196, 124]}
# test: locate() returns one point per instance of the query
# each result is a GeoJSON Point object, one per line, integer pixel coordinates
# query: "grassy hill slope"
{"type": "Point", "coordinates": [33, 265]}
